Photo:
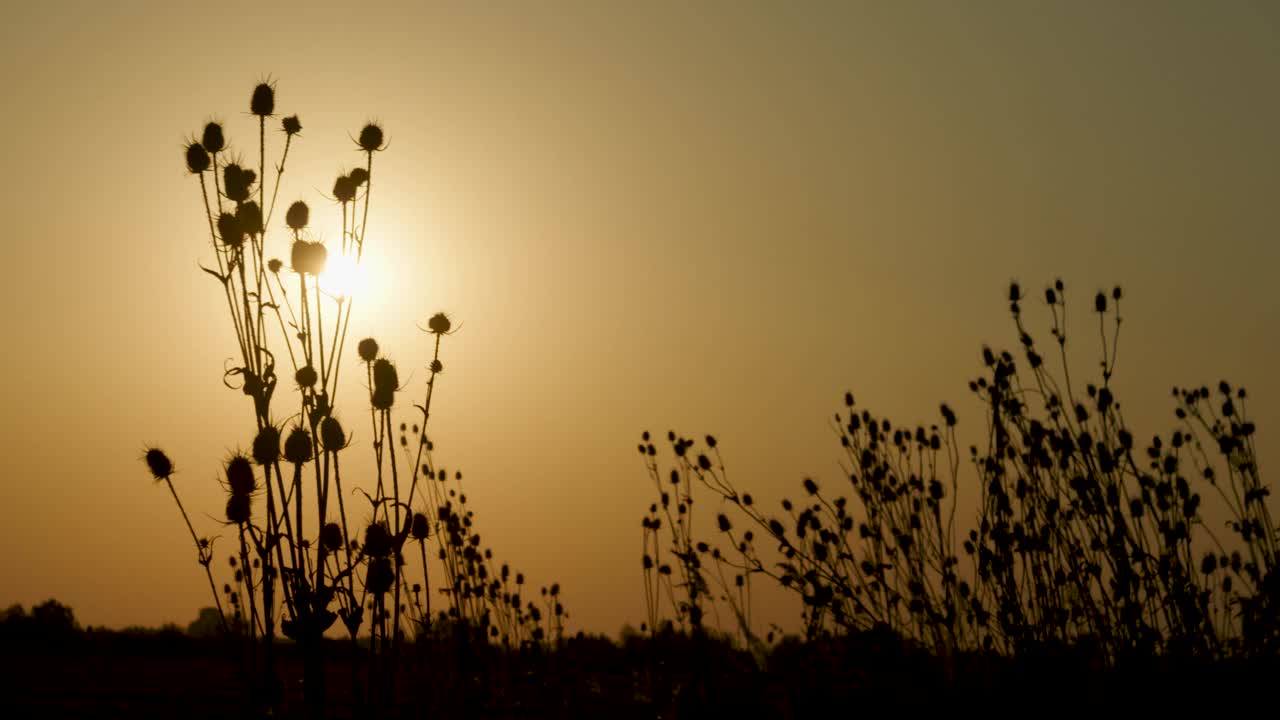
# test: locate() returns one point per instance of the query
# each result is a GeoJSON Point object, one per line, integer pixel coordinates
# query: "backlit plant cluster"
{"type": "Point", "coordinates": [302, 564]}
{"type": "Point", "coordinates": [1085, 537]}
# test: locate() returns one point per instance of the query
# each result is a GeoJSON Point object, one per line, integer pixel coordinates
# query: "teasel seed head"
{"type": "Point", "coordinates": [359, 176]}
{"type": "Point", "coordinates": [297, 447]}
{"type": "Point", "coordinates": [344, 189]}
{"type": "Point", "coordinates": [377, 540]}
{"type": "Point", "coordinates": [332, 434]}
{"type": "Point", "coordinates": [274, 265]}
{"type": "Point", "coordinates": [197, 159]}
{"type": "Point", "coordinates": [158, 463]}
{"type": "Point", "coordinates": [249, 215]}
{"type": "Point", "coordinates": [238, 509]}
{"type": "Point", "coordinates": [211, 140]}
{"type": "Point", "coordinates": [306, 376]}
{"type": "Point", "coordinates": [439, 324]}
{"type": "Point", "coordinates": [263, 102]}
{"type": "Point", "coordinates": [331, 536]}
{"type": "Point", "coordinates": [266, 446]}
{"type": "Point", "coordinates": [291, 125]}
{"type": "Point", "coordinates": [297, 215]}
{"type": "Point", "coordinates": [368, 349]}
{"type": "Point", "coordinates": [236, 182]}
{"type": "Point", "coordinates": [421, 528]}
{"type": "Point", "coordinates": [230, 231]}
{"type": "Point", "coordinates": [240, 477]}
{"type": "Point", "coordinates": [370, 138]}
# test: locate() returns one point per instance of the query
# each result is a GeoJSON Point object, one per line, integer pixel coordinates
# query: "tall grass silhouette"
{"type": "Point", "coordinates": [300, 563]}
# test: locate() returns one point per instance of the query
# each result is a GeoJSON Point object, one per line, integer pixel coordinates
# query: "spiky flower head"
{"type": "Point", "coordinates": [249, 216]}
{"type": "Point", "coordinates": [274, 265]}
{"type": "Point", "coordinates": [368, 349]}
{"type": "Point", "coordinates": [266, 446]}
{"type": "Point", "coordinates": [263, 102]}
{"type": "Point", "coordinates": [331, 536]}
{"type": "Point", "coordinates": [236, 182]}
{"type": "Point", "coordinates": [306, 376]}
{"type": "Point", "coordinates": [332, 434]}
{"type": "Point", "coordinates": [297, 215]}
{"type": "Point", "coordinates": [439, 323]}
{"type": "Point", "coordinates": [420, 528]}
{"type": "Point", "coordinates": [158, 463]}
{"type": "Point", "coordinates": [359, 176]}
{"type": "Point", "coordinates": [370, 138]}
{"type": "Point", "coordinates": [230, 231]}
{"type": "Point", "coordinates": [212, 139]}
{"type": "Point", "coordinates": [344, 189]}
{"type": "Point", "coordinates": [381, 577]}
{"type": "Point", "coordinates": [239, 508]}
{"type": "Point", "coordinates": [377, 540]}
{"type": "Point", "coordinates": [240, 477]}
{"type": "Point", "coordinates": [197, 159]}
{"type": "Point", "coordinates": [291, 125]}
{"type": "Point", "coordinates": [297, 447]}
{"type": "Point", "coordinates": [308, 258]}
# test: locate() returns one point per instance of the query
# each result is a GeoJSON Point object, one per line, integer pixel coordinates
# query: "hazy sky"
{"type": "Point", "coordinates": [708, 217]}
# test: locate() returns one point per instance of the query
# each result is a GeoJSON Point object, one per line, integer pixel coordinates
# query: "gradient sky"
{"type": "Point", "coordinates": [708, 217]}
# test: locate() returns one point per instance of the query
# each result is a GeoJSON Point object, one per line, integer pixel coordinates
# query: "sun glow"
{"type": "Point", "coordinates": [342, 277]}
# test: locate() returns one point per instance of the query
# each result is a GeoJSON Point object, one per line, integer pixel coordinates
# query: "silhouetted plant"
{"type": "Point", "coordinates": [1082, 539]}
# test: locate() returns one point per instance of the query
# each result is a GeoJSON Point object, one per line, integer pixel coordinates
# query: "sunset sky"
{"type": "Point", "coordinates": [712, 217]}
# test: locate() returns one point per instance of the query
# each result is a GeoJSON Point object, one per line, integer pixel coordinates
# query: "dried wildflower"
{"type": "Point", "coordinates": [437, 366]}
{"type": "Point", "coordinates": [249, 216]}
{"type": "Point", "coordinates": [238, 509]}
{"type": "Point", "coordinates": [308, 258]}
{"type": "Point", "coordinates": [359, 176]}
{"type": "Point", "coordinates": [306, 376]}
{"type": "Point", "coordinates": [197, 159]}
{"type": "Point", "coordinates": [331, 536]}
{"type": "Point", "coordinates": [439, 324]}
{"type": "Point", "coordinates": [368, 349]}
{"type": "Point", "coordinates": [263, 102]}
{"type": "Point", "coordinates": [297, 215]}
{"type": "Point", "coordinates": [370, 138]}
{"type": "Point", "coordinates": [237, 182]}
{"type": "Point", "coordinates": [381, 577]}
{"type": "Point", "coordinates": [377, 540]}
{"type": "Point", "coordinates": [385, 375]}
{"type": "Point", "coordinates": [230, 231]}
{"type": "Point", "coordinates": [420, 528]}
{"type": "Point", "coordinates": [158, 463]}
{"type": "Point", "coordinates": [291, 125]}
{"type": "Point", "coordinates": [240, 477]}
{"type": "Point", "coordinates": [1100, 303]}
{"type": "Point", "coordinates": [211, 140]}
{"type": "Point", "coordinates": [332, 434]}
{"type": "Point", "coordinates": [266, 446]}
{"type": "Point", "coordinates": [297, 447]}
{"type": "Point", "coordinates": [344, 189]}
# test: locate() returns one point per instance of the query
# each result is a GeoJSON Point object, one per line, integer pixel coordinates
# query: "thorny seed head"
{"type": "Point", "coordinates": [306, 376]}
{"type": "Point", "coordinates": [197, 159]}
{"type": "Point", "coordinates": [291, 125]}
{"type": "Point", "coordinates": [263, 102]}
{"type": "Point", "coordinates": [274, 265]}
{"type": "Point", "coordinates": [297, 447]}
{"type": "Point", "coordinates": [344, 189]}
{"type": "Point", "coordinates": [439, 324]}
{"type": "Point", "coordinates": [359, 176]}
{"type": "Point", "coordinates": [238, 509]}
{"type": "Point", "coordinates": [297, 215]}
{"type": "Point", "coordinates": [240, 477]}
{"type": "Point", "coordinates": [331, 536]}
{"type": "Point", "coordinates": [437, 366]}
{"type": "Point", "coordinates": [158, 463]}
{"type": "Point", "coordinates": [332, 434]}
{"type": "Point", "coordinates": [308, 258]}
{"type": "Point", "coordinates": [377, 540]}
{"type": "Point", "coordinates": [249, 216]}
{"type": "Point", "coordinates": [381, 577]}
{"type": "Point", "coordinates": [385, 375]}
{"type": "Point", "coordinates": [421, 528]}
{"type": "Point", "coordinates": [370, 138]}
{"type": "Point", "coordinates": [266, 446]}
{"type": "Point", "coordinates": [236, 182]}
{"type": "Point", "coordinates": [368, 350]}
{"type": "Point", "coordinates": [211, 140]}
{"type": "Point", "coordinates": [230, 231]}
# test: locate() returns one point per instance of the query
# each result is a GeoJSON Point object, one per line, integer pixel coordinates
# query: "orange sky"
{"type": "Point", "coordinates": [708, 217]}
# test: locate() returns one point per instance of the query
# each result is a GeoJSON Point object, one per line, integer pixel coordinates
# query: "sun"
{"type": "Point", "coordinates": [342, 277]}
